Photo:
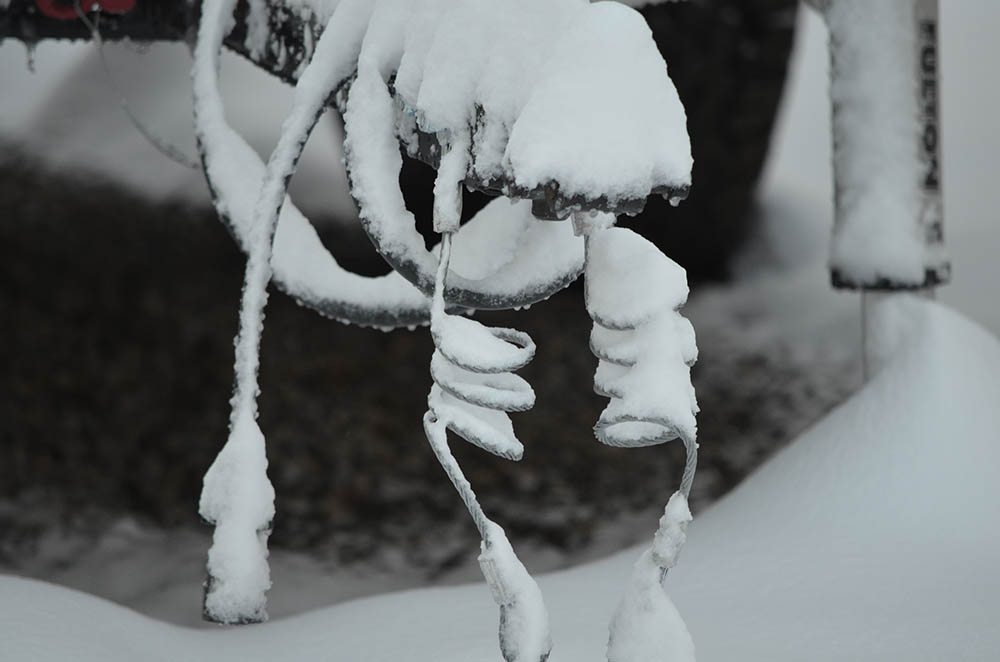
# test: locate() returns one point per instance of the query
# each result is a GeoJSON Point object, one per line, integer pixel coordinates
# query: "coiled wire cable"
{"type": "Point", "coordinates": [474, 389]}
{"type": "Point", "coordinates": [641, 342]}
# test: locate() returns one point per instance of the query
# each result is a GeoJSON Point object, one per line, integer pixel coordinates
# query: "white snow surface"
{"type": "Point", "coordinates": [867, 539]}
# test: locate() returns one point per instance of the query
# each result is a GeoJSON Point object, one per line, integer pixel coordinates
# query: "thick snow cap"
{"type": "Point", "coordinates": [565, 95]}
{"type": "Point", "coordinates": [603, 116]}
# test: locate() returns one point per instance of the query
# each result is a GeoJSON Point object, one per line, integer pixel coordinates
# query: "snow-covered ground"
{"type": "Point", "coordinates": [870, 538]}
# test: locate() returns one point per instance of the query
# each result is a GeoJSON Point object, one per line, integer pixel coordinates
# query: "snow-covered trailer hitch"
{"type": "Point", "coordinates": [499, 111]}
{"type": "Point", "coordinates": [499, 97]}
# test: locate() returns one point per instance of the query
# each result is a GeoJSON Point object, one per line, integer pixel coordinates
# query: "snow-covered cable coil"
{"type": "Point", "coordinates": [474, 389]}
{"type": "Point", "coordinates": [645, 348]}
{"type": "Point", "coordinates": [474, 385]}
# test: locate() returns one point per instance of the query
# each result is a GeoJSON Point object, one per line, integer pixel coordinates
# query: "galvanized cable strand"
{"type": "Point", "coordinates": [644, 346]}
{"type": "Point", "coordinates": [474, 389]}
{"type": "Point", "coordinates": [436, 427]}
{"type": "Point", "coordinates": [237, 496]}
{"type": "Point", "coordinates": [644, 349]}
{"type": "Point", "coordinates": [472, 368]}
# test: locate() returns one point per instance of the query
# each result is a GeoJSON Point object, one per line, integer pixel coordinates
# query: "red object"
{"type": "Point", "coordinates": [65, 9]}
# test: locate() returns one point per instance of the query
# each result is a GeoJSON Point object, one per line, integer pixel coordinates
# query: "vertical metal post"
{"type": "Point", "coordinates": [884, 190]}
